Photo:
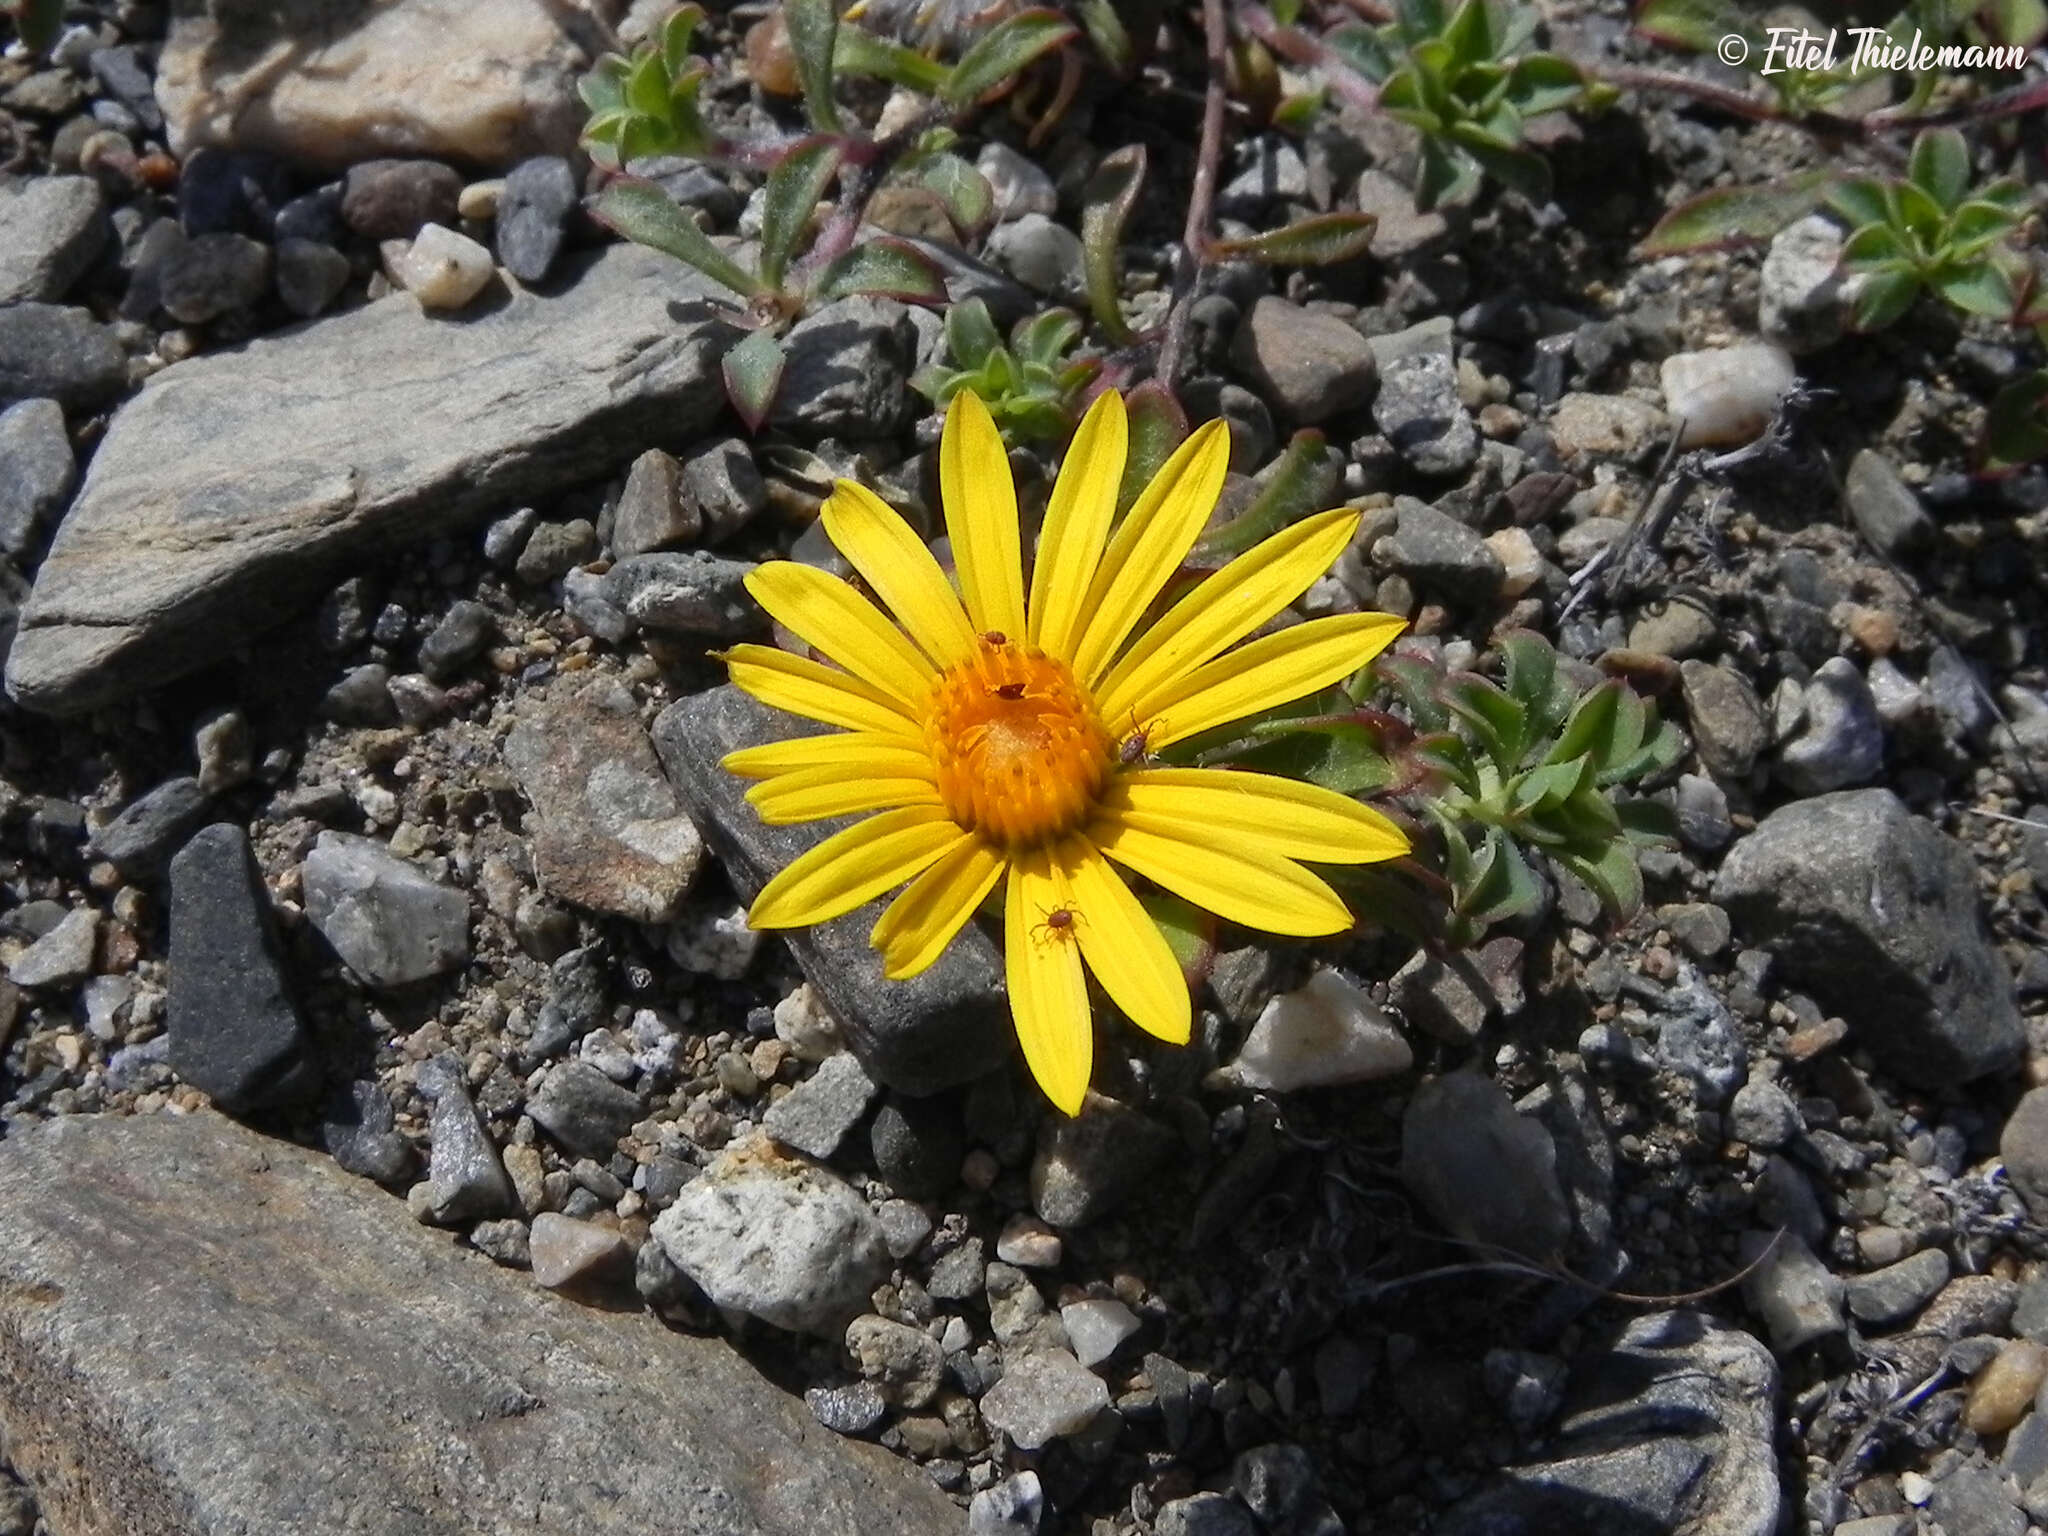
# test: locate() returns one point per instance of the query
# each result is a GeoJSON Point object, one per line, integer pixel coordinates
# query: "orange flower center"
{"type": "Point", "coordinates": [1019, 752]}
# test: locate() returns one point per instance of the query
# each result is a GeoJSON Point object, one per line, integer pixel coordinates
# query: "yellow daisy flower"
{"type": "Point", "coordinates": [1011, 737]}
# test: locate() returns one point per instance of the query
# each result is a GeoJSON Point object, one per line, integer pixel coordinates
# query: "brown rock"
{"type": "Point", "coordinates": [2004, 1389]}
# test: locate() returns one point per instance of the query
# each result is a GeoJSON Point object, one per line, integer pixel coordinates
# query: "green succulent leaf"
{"type": "Point", "coordinates": [1302, 481]}
{"type": "Point", "coordinates": [971, 336]}
{"type": "Point", "coordinates": [1501, 886]}
{"type": "Point", "coordinates": [1940, 166]}
{"type": "Point", "coordinates": [1648, 823]}
{"type": "Point", "coordinates": [1550, 785]}
{"type": "Point", "coordinates": [1107, 32]}
{"type": "Point", "coordinates": [753, 373]}
{"type": "Point", "coordinates": [1741, 215]}
{"type": "Point", "coordinates": [2016, 426]}
{"type": "Point", "coordinates": [813, 39]}
{"type": "Point", "coordinates": [886, 268]}
{"type": "Point", "coordinates": [1318, 241]}
{"type": "Point", "coordinates": [1189, 932]}
{"type": "Point", "coordinates": [1494, 720]}
{"type": "Point", "coordinates": [860, 52]}
{"type": "Point", "coordinates": [1003, 52]}
{"type": "Point", "coordinates": [1045, 338]}
{"type": "Point", "coordinates": [37, 23]}
{"type": "Point", "coordinates": [1415, 682]}
{"type": "Point", "coordinates": [1884, 297]}
{"type": "Point", "coordinates": [1158, 425]}
{"type": "Point", "coordinates": [968, 199]}
{"type": "Point", "coordinates": [1445, 175]}
{"type": "Point", "coordinates": [1111, 194]}
{"type": "Point", "coordinates": [604, 89]}
{"type": "Point", "coordinates": [1978, 289]}
{"type": "Point", "coordinates": [642, 212]}
{"type": "Point", "coordinates": [1613, 875]}
{"type": "Point", "coordinates": [1339, 754]}
{"type": "Point", "coordinates": [792, 194]}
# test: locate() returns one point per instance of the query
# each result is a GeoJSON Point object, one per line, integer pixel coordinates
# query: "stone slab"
{"type": "Point", "coordinates": [235, 486]}
{"type": "Point", "coordinates": [207, 1333]}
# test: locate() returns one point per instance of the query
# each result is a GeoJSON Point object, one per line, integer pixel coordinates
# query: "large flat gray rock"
{"type": "Point", "coordinates": [234, 486]}
{"type": "Point", "coordinates": [945, 1026]}
{"type": "Point", "coordinates": [205, 1331]}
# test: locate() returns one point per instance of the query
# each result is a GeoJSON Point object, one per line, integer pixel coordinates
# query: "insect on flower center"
{"type": "Point", "coordinates": [1020, 754]}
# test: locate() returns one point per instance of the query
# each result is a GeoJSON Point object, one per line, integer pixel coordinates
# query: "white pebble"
{"type": "Point", "coordinates": [802, 1024]}
{"type": "Point", "coordinates": [1324, 1033]}
{"type": "Point", "coordinates": [1725, 397]}
{"type": "Point", "coordinates": [1097, 1329]}
{"type": "Point", "coordinates": [442, 269]}
{"type": "Point", "coordinates": [1521, 561]}
{"type": "Point", "coordinates": [479, 200]}
{"type": "Point", "coordinates": [1028, 1243]}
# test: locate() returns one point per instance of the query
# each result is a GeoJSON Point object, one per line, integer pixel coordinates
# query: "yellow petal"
{"type": "Point", "coordinates": [1226, 607]}
{"type": "Point", "coordinates": [1076, 524]}
{"type": "Point", "coordinates": [936, 905]}
{"type": "Point", "coordinates": [1257, 811]}
{"type": "Point", "coordinates": [1263, 674]}
{"type": "Point", "coordinates": [1124, 947]}
{"type": "Point", "coordinates": [1149, 545]}
{"type": "Point", "coordinates": [826, 613]}
{"type": "Point", "coordinates": [855, 751]}
{"type": "Point", "coordinates": [818, 692]}
{"type": "Point", "coordinates": [854, 866]}
{"type": "Point", "coordinates": [981, 516]}
{"type": "Point", "coordinates": [1048, 991]}
{"type": "Point", "coordinates": [1222, 875]}
{"type": "Point", "coordinates": [816, 793]}
{"type": "Point", "coordinates": [893, 560]}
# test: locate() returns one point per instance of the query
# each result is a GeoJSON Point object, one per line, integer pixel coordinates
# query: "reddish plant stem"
{"type": "Point", "coordinates": [1202, 199]}
{"type": "Point", "coordinates": [1305, 48]}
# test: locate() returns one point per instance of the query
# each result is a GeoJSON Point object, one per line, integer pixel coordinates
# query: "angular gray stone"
{"type": "Point", "coordinates": [777, 1238]}
{"type": "Point", "coordinates": [1093, 1164]}
{"type": "Point", "coordinates": [1729, 727]}
{"type": "Point", "coordinates": [1841, 742]}
{"type": "Point", "coordinates": [1891, 1295]}
{"type": "Point", "coordinates": [141, 839]}
{"type": "Point", "coordinates": [685, 593]}
{"type": "Point", "coordinates": [1791, 1290]}
{"type": "Point", "coordinates": [1669, 1431]}
{"type": "Point", "coordinates": [1873, 910]}
{"type": "Point", "coordinates": [48, 351]}
{"type": "Point", "coordinates": [435, 1393]}
{"type": "Point", "coordinates": [37, 471]}
{"type": "Point", "coordinates": [236, 1033]}
{"type": "Point", "coordinates": [1012, 1507]}
{"type": "Point", "coordinates": [1418, 406]}
{"type": "Point", "coordinates": [1441, 553]}
{"type": "Point", "coordinates": [610, 833]}
{"type": "Point", "coordinates": [2023, 1146]}
{"type": "Point", "coordinates": [533, 216]}
{"type": "Point", "coordinates": [389, 920]}
{"type": "Point", "coordinates": [1804, 296]}
{"type": "Point", "coordinates": [940, 1028]}
{"type": "Point", "coordinates": [226, 493]}
{"type": "Point", "coordinates": [1045, 1396]}
{"type": "Point", "coordinates": [1485, 1173]}
{"type": "Point", "coordinates": [583, 1109]}
{"type": "Point", "coordinates": [1884, 508]}
{"type": "Point", "coordinates": [466, 1178]}
{"type": "Point", "coordinates": [51, 228]}
{"type": "Point", "coordinates": [63, 956]}
{"type": "Point", "coordinates": [903, 1362]}
{"type": "Point", "coordinates": [1310, 365]}
{"type": "Point", "coordinates": [651, 513]}
{"type": "Point", "coordinates": [848, 371]}
{"type": "Point", "coordinates": [817, 1114]}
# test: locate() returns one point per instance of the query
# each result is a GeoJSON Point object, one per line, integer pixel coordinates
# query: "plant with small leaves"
{"type": "Point", "coordinates": [1932, 231]}
{"type": "Point", "coordinates": [645, 104]}
{"type": "Point", "coordinates": [1461, 78]}
{"type": "Point", "coordinates": [1031, 387]}
{"type": "Point", "coordinates": [1532, 765]}
{"type": "Point", "coordinates": [2016, 426]}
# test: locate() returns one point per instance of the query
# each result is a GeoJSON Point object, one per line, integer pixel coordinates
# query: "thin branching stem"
{"type": "Point", "coordinates": [1202, 199]}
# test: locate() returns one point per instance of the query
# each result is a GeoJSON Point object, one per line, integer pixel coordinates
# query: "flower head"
{"type": "Point", "coordinates": [1003, 737]}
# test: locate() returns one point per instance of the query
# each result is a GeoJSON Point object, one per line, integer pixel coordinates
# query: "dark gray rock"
{"type": "Point", "coordinates": [937, 1029]}
{"type": "Point", "coordinates": [224, 191]}
{"type": "Point", "coordinates": [1417, 406]}
{"type": "Point", "coordinates": [122, 74]}
{"type": "Point", "coordinates": [357, 1130]}
{"type": "Point", "coordinates": [141, 840]}
{"type": "Point", "coordinates": [1840, 744]}
{"type": "Point", "coordinates": [583, 1109]}
{"type": "Point", "coordinates": [391, 199]}
{"type": "Point", "coordinates": [1975, 1501]}
{"type": "Point", "coordinates": [1668, 1432]}
{"type": "Point", "coordinates": [1278, 1485]}
{"type": "Point", "coordinates": [1763, 1115]}
{"type": "Point", "coordinates": [722, 486]}
{"type": "Point", "coordinates": [1205, 1514]}
{"type": "Point", "coordinates": [466, 1178]}
{"type": "Point", "coordinates": [312, 216]}
{"type": "Point", "coordinates": [213, 275]}
{"type": "Point", "coordinates": [533, 216]}
{"type": "Point", "coordinates": [1042, 254]}
{"type": "Point", "coordinates": [436, 1392]}
{"type": "Point", "coordinates": [1729, 727]}
{"type": "Point", "coordinates": [1891, 1295]}
{"type": "Point", "coordinates": [465, 629]}
{"type": "Point", "coordinates": [554, 550]}
{"type": "Point", "coordinates": [1874, 911]}
{"type": "Point", "coordinates": [50, 352]}
{"type": "Point", "coordinates": [651, 513]}
{"type": "Point", "coordinates": [37, 471]}
{"type": "Point", "coordinates": [1097, 1163]}
{"type": "Point", "coordinates": [361, 696]}
{"type": "Point", "coordinates": [309, 276]}
{"type": "Point", "coordinates": [389, 920]}
{"type": "Point", "coordinates": [918, 1144]}
{"type": "Point", "coordinates": [236, 1033]}
{"type": "Point", "coordinates": [685, 593]}
{"type": "Point", "coordinates": [854, 1409]}
{"type": "Point", "coordinates": [51, 230]}
{"type": "Point", "coordinates": [216, 505]}
{"type": "Point", "coordinates": [848, 372]}
{"type": "Point", "coordinates": [821, 1110]}
{"type": "Point", "coordinates": [1440, 552]}
{"type": "Point", "coordinates": [62, 956]}
{"type": "Point", "coordinates": [1484, 1173]}
{"type": "Point", "coordinates": [2023, 1146]}
{"type": "Point", "coordinates": [1884, 508]}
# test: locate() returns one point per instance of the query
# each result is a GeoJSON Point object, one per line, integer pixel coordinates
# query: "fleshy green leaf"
{"type": "Point", "coordinates": [1111, 193]}
{"type": "Point", "coordinates": [753, 373]}
{"type": "Point", "coordinates": [642, 212]}
{"type": "Point", "coordinates": [1884, 297]}
{"type": "Point", "coordinates": [1302, 481]}
{"type": "Point", "coordinates": [1340, 755]}
{"type": "Point", "coordinates": [1736, 215]}
{"type": "Point", "coordinates": [1496, 721]}
{"type": "Point", "coordinates": [1044, 338]}
{"type": "Point", "coordinates": [1591, 729]}
{"type": "Point", "coordinates": [1312, 242]}
{"type": "Point", "coordinates": [860, 52]}
{"type": "Point", "coordinates": [2016, 426]}
{"type": "Point", "coordinates": [1158, 425]}
{"type": "Point", "coordinates": [1613, 876]}
{"type": "Point", "coordinates": [1694, 25]}
{"type": "Point", "coordinates": [888, 268]}
{"type": "Point", "coordinates": [1648, 823]}
{"type": "Point", "coordinates": [604, 88]}
{"type": "Point", "coordinates": [677, 33]}
{"type": "Point", "coordinates": [1003, 52]}
{"type": "Point", "coordinates": [1107, 31]}
{"type": "Point", "coordinates": [1446, 175]}
{"type": "Point", "coordinates": [1505, 887]}
{"type": "Point", "coordinates": [791, 196]}
{"type": "Point", "coordinates": [1940, 166]}
{"type": "Point", "coordinates": [813, 35]}
{"type": "Point", "coordinates": [1189, 932]}
{"type": "Point", "coordinates": [1859, 200]}
{"type": "Point", "coordinates": [1979, 289]}
{"type": "Point", "coordinates": [1873, 245]}
{"type": "Point", "coordinates": [969, 200]}
{"type": "Point", "coordinates": [971, 336]}
{"type": "Point", "coordinates": [1416, 682]}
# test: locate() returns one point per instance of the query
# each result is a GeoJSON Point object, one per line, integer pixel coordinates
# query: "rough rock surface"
{"type": "Point", "coordinates": [1875, 910]}
{"type": "Point", "coordinates": [328, 85]}
{"type": "Point", "coordinates": [232, 486]}
{"type": "Point", "coordinates": [435, 1393]}
{"type": "Point", "coordinates": [918, 1036]}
